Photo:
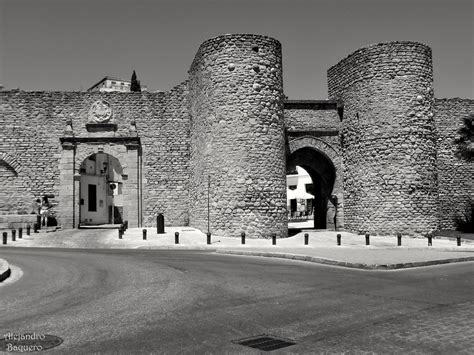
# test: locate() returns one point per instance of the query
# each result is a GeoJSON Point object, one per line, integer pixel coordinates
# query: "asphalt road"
{"type": "Point", "coordinates": [143, 301]}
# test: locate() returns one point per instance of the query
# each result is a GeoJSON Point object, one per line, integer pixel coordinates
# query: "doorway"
{"type": "Point", "coordinates": [101, 186]}
{"type": "Point", "coordinates": [319, 174]}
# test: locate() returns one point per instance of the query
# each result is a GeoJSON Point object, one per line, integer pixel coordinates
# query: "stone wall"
{"type": "Point", "coordinates": [390, 161]}
{"type": "Point", "coordinates": [388, 138]}
{"type": "Point", "coordinates": [237, 137]}
{"type": "Point", "coordinates": [34, 122]}
{"type": "Point", "coordinates": [455, 176]}
{"type": "Point", "coordinates": [310, 116]}
{"type": "Point", "coordinates": [165, 140]}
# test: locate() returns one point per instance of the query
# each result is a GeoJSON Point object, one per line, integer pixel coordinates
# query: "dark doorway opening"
{"type": "Point", "coordinates": [92, 197]}
{"type": "Point", "coordinates": [323, 175]}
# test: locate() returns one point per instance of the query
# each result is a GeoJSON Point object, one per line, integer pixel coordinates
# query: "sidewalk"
{"type": "Point", "coordinates": [383, 252]}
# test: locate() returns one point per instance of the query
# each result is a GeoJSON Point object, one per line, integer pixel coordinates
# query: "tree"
{"type": "Point", "coordinates": [135, 84]}
{"type": "Point", "coordinates": [465, 140]}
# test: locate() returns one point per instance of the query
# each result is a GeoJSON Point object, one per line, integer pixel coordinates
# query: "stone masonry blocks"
{"type": "Point", "coordinates": [388, 138]}
{"type": "Point", "coordinates": [237, 137]}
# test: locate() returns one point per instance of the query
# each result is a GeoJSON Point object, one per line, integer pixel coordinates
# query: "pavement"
{"type": "Point", "coordinates": [382, 253]}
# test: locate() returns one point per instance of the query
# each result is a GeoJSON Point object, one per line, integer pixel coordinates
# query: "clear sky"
{"type": "Point", "coordinates": [72, 44]}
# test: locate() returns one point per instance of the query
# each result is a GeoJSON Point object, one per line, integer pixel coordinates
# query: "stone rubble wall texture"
{"type": "Point", "coordinates": [237, 137]}
{"type": "Point", "coordinates": [455, 176]}
{"type": "Point", "coordinates": [34, 121]}
{"type": "Point", "coordinates": [310, 119]}
{"type": "Point", "coordinates": [389, 138]}
{"type": "Point", "coordinates": [394, 160]}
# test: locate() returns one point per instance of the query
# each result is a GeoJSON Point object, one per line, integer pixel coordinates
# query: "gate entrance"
{"type": "Point", "coordinates": [101, 186]}
{"type": "Point", "coordinates": [323, 175]}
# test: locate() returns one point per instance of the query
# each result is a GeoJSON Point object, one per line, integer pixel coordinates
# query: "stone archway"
{"type": "Point", "coordinates": [127, 150]}
{"type": "Point", "coordinates": [100, 190]}
{"type": "Point", "coordinates": [323, 163]}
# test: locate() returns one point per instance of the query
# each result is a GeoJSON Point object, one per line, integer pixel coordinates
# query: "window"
{"type": "Point", "coordinates": [92, 198]}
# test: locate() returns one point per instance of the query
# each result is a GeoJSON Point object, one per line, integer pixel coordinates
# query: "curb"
{"type": "Point", "coordinates": [344, 263]}
{"type": "Point", "coordinates": [5, 270]}
{"type": "Point", "coordinates": [173, 247]}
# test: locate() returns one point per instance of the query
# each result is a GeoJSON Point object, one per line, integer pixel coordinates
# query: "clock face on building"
{"type": "Point", "coordinates": [100, 111]}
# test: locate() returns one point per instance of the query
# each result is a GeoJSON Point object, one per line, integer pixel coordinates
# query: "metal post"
{"type": "Point", "coordinates": [399, 239]}
{"type": "Point", "coordinates": [5, 236]}
{"type": "Point", "coordinates": [144, 234]}
{"type": "Point", "coordinates": [306, 238]}
{"type": "Point", "coordinates": [20, 232]}
{"type": "Point", "coordinates": [125, 224]}
{"type": "Point", "coordinates": [458, 240]}
{"type": "Point", "coordinates": [208, 204]}
{"type": "Point", "coordinates": [160, 224]}
{"type": "Point", "coordinates": [35, 227]}
{"type": "Point", "coordinates": [367, 239]}
{"type": "Point", "coordinates": [120, 232]}
{"type": "Point", "coordinates": [338, 239]}
{"type": "Point", "coordinates": [28, 228]}
{"type": "Point", "coordinates": [38, 222]}
{"type": "Point", "coordinates": [274, 239]}
{"type": "Point", "coordinates": [242, 235]}
{"type": "Point", "coordinates": [430, 241]}
{"type": "Point", "coordinates": [122, 226]}
{"type": "Point", "coordinates": [208, 238]}
{"type": "Point", "coordinates": [176, 237]}
{"type": "Point", "coordinates": [13, 235]}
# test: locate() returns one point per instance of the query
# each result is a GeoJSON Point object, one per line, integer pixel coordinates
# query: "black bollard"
{"type": "Point", "coordinates": [13, 235]}
{"type": "Point", "coordinates": [338, 239]}
{"type": "Point", "coordinates": [430, 241]}
{"type": "Point", "coordinates": [160, 224]}
{"type": "Point", "coordinates": [20, 232]}
{"type": "Point", "coordinates": [176, 237]}
{"type": "Point", "coordinates": [274, 239]}
{"type": "Point", "coordinates": [208, 238]}
{"type": "Point", "coordinates": [35, 227]}
{"type": "Point", "coordinates": [125, 224]}
{"type": "Point", "coordinates": [144, 234]}
{"type": "Point", "coordinates": [5, 236]}
{"type": "Point", "coordinates": [28, 228]}
{"type": "Point", "coordinates": [306, 238]}
{"type": "Point", "coordinates": [367, 239]}
{"type": "Point", "coordinates": [458, 240]}
{"type": "Point", "coordinates": [120, 232]}
{"type": "Point", "coordinates": [122, 226]}
{"type": "Point", "coordinates": [399, 239]}
{"type": "Point", "coordinates": [38, 222]}
{"type": "Point", "coordinates": [242, 235]}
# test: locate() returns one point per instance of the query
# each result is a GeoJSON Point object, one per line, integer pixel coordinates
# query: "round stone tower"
{"type": "Point", "coordinates": [388, 138]}
{"type": "Point", "coordinates": [237, 160]}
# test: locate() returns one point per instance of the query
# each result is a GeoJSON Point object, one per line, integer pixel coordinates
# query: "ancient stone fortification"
{"type": "Point", "coordinates": [388, 137]}
{"type": "Point", "coordinates": [380, 151]}
{"type": "Point", "coordinates": [236, 106]}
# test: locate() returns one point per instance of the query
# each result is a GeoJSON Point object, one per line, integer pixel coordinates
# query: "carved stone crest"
{"type": "Point", "coordinates": [100, 112]}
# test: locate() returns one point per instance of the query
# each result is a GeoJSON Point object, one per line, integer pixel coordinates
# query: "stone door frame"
{"type": "Point", "coordinates": [75, 150]}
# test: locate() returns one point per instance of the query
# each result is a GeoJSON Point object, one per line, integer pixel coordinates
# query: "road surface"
{"type": "Point", "coordinates": [142, 301]}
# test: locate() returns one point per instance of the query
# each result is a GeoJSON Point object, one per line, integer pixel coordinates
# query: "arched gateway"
{"type": "Point", "coordinates": [213, 152]}
{"type": "Point", "coordinates": [100, 190]}
{"type": "Point", "coordinates": [322, 162]}
{"type": "Point", "coordinates": [101, 181]}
